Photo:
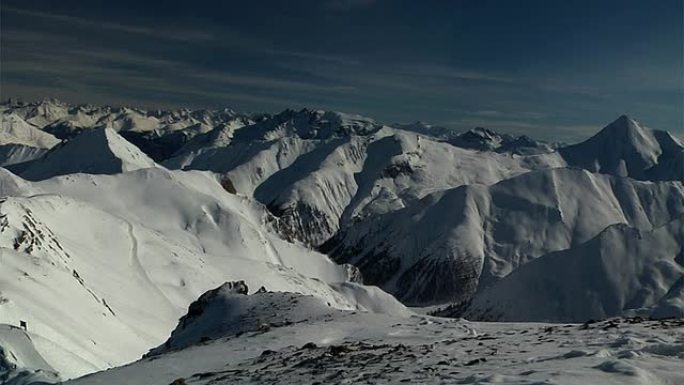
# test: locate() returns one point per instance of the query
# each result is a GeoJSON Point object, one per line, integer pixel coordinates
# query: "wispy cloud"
{"type": "Point", "coordinates": [170, 34]}
{"type": "Point", "coordinates": [269, 83]}
{"type": "Point", "coordinates": [332, 58]}
{"type": "Point", "coordinates": [346, 5]}
{"type": "Point", "coordinates": [451, 73]}
{"type": "Point", "coordinates": [75, 72]}
{"type": "Point", "coordinates": [527, 115]}
{"type": "Point", "coordinates": [415, 71]}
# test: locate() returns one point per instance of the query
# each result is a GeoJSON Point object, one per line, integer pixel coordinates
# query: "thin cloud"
{"type": "Point", "coordinates": [346, 5]}
{"type": "Point", "coordinates": [450, 73]}
{"type": "Point", "coordinates": [515, 114]}
{"type": "Point", "coordinates": [339, 59]}
{"type": "Point", "coordinates": [175, 35]}
{"type": "Point", "coordinates": [99, 72]}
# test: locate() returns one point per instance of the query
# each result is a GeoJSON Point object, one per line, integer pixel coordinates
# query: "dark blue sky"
{"type": "Point", "coordinates": [554, 69]}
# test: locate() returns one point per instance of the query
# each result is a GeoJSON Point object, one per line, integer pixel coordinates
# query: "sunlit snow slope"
{"type": "Point", "coordinates": [101, 266]}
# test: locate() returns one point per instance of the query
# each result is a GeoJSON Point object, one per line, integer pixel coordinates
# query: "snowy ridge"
{"type": "Point", "coordinates": [483, 139]}
{"type": "Point", "coordinates": [225, 311]}
{"type": "Point", "coordinates": [449, 243]}
{"type": "Point", "coordinates": [228, 311]}
{"type": "Point", "coordinates": [320, 186]}
{"type": "Point", "coordinates": [96, 151]}
{"type": "Point", "coordinates": [621, 271]}
{"type": "Point", "coordinates": [160, 133]}
{"type": "Point", "coordinates": [146, 244]}
{"type": "Point", "coordinates": [13, 129]}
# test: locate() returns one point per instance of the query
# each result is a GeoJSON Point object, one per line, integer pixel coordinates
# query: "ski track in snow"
{"type": "Point", "coordinates": [135, 261]}
{"type": "Point", "coordinates": [270, 250]}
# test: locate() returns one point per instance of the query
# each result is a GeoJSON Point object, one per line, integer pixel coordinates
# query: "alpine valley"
{"type": "Point", "coordinates": [188, 247]}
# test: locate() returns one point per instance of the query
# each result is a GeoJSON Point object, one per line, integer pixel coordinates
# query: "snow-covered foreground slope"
{"type": "Point", "coordinates": [307, 342]}
{"type": "Point", "coordinates": [101, 266]}
{"type": "Point", "coordinates": [227, 311]}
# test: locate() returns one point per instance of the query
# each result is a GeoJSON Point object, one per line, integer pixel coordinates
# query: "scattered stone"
{"type": "Point", "coordinates": [475, 361]}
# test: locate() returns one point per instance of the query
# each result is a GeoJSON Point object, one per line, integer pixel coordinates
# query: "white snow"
{"type": "Point", "coordinates": [20, 363]}
{"type": "Point", "coordinates": [289, 339]}
{"type": "Point", "coordinates": [622, 271]}
{"type": "Point", "coordinates": [13, 129]}
{"type": "Point", "coordinates": [627, 148]}
{"type": "Point", "coordinates": [96, 151]}
{"type": "Point", "coordinates": [104, 244]}
{"type": "Point", "coordinates": [444, 246]}
{"type": "Point", "coordinates": [144, 245]}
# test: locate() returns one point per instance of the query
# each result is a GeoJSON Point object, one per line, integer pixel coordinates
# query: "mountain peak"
{"type": "Point", "coordinates": [485, 139]}
{"type": "Point", "coordinates": [14, 129]}
{"type": "Point", "coordinates": [309, 124]}
{"type": "Point", "coordinates": [624, 124]}
{"type": "Point", "coordinates": [623, 118]}
{"type": "Point", "coordinates": [626, 148]}
{"type": "Point", "coordinates": [94, 151]}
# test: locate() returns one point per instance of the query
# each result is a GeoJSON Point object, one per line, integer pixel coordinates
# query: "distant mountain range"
{"type": "Point", "coordinates": [113, 220]}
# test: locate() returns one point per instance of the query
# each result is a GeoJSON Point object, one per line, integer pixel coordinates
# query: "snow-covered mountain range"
{"type": "Point", "coordinates": [114, 220]}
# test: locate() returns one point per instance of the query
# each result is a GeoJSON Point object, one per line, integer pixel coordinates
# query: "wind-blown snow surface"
{"type": "Point", "coordinates": [283, 338]}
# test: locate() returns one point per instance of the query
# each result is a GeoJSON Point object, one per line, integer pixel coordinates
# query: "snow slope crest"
{"type": "Point", "coordinates": [15, 130]}
{"type": "Point", "coordinates": [228, 310]}
{"type": "Point", "coordinates": [96, 151]}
